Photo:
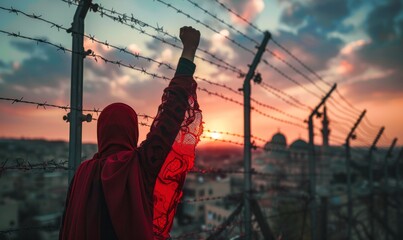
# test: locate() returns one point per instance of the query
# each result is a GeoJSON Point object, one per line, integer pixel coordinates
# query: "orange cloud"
{"type": "Point", "coordinates": [248, 10]}
{"type": "Point", "coordinates": [345, 67]}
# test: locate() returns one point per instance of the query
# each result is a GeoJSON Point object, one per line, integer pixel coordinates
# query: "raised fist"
{"type": "Point", "coordinates": [190, 38]}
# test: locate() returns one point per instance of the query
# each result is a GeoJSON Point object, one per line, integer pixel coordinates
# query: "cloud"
{"type": "Point", "coordinates": [45, 67]}
{"type": "Point", "coordinates": [247, 9]}
{"type": "Point", "coordinates": [45, 75]}
{"type": "Point", "coordinates": [324, 15]}
{"type": "Point", "coordinates": [3, 65]}
{"type": "Point", "coordinates": [369, 66]}
{"type": "Point", "coordinates": [384, 26]}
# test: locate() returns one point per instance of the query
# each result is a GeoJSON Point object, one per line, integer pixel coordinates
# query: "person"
{"type": "Point", "coordinates": [131, 192]}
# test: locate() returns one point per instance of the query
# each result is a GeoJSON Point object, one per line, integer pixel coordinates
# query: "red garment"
{"type": "Point", "coordinates": [116, 187]}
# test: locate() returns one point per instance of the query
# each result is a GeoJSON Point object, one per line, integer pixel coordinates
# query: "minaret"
{"type": "Point", "coordinates": [325, 128]}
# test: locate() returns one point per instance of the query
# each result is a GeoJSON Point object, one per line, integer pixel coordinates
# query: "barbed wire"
{"type": "Point", "coordinates": [370, 124]}
{"type": "Point", "coordinates": [354, 109]}
{"type": "Point", "coordinates": [219, 171]}
{"type": "Point", "coordinates": [364, 141]}
{"type": "Point", "coordinates": [179, 11]}
{"type": "Point", "coordinates": [259, 103]}
{"type": "Point", "coordinates": [366, 134]}
{"type": "Point", "coordinates": [273, 40]}
{"type": "Point", "coordinates": [384, 139]}
{"type": "Point", "coordinates": [144, 116]}
{"type": "Point", "coordinates": [277, 92]}
{"type": "Point", "coordinates": [220, 95]}
{"type": "Point", "coordinates": [276, 109]}
{"type": "Point", "coordinates": [346, 115]}
{"type": "Point", "coordinates": [65, 108]}
{"type": "Point", "coordinates": [223, 22]}
{"type": "Point", "coordinates": [233, 134]}
{"type": "Point", "coordinates": [89, 53]}
{"type": "Point", "coordinates": [24, 165]}
{"type": "Point", "coordinates": [142, 70]}
{"type": "Point", "coordinates": [332, 101]}
{"type": "Point", "coordinates": [45, 104]}
{"type": "Point", "coordinates": [368, 130]}
{"type": "Point", "coordinates": [119, 63]}
{"type": "Point", "coordinates": [123, 18]}
{"type": "Point", "coordinates": [300, 62]}
{"type": "Point", "coordinates": [340, 127]}
{"type": "Point", "coordinates": [278, 119]}
{"type": "Point", "coordinates": [338, 138]}
{"type": "Point", "coordinates": [105, 43]}
{"type": "Point", "coordinates": [286, 76]}
{"type": "Point", "coordinates": [90, 37]}
{"type": "Point", "coordinates": [212, 198]}
{"type": "Point", "coordinates": [13, 230]}
{"type": "Point", "coordinates": [340, 119]}
{"type": "Point", "coordinates": [203, 79]}
{"type": "Point", "coordinates": [224, 141]}
{"type": "Point", "coordinates": [21, 164]}
{"type": "Point", "coordinates": [386, 136]}
{"type": "Point", "coordinates": [238, 16]}
{"type": "Point", "coordinates": [277, 56]}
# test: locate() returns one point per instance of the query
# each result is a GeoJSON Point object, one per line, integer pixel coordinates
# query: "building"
{"type": "Point", "coordinates": [199, 187]}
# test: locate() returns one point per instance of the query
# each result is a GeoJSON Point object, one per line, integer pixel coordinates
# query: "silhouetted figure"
{"type": "Point", "coordinates": [131, 192]}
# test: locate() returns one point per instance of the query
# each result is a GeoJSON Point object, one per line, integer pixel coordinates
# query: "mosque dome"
{"type": "Point", "coordinates": [299, 144]}
{"type": "Point", "coordinates": [279, 140]}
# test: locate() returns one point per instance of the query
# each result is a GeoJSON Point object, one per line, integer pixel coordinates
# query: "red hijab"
{"type": "Point", "coordinates": [117, 129]}
{"type": "Point", "coordinates": [110, 188]}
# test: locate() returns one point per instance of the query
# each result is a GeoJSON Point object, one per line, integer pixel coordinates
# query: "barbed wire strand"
{"type": "Point", "coordinates": [278, 57]}
{"type": "Point", "coordinates": [238, 16]}
{"type": "Point", "coordinates": [24, 165]}
{"type": "Point", "coordinates": [125, 18]}
{"type": "Point", "coordinates": [230, 26]}
{"type": "Point", "coordinates": [275, 91]}
{"type": "Point", "coordinates": [286, 76]}
{"type": "Point", "coordinates": [136, 55]}
{"type": "Point", "coordinates": [252, 108]}
{"type": "Point", "coordinates": [179, 11]}
{"type": "Point", "coordinates": [98, 110]}
{"type": "Point", "coordinates": [354, 109]}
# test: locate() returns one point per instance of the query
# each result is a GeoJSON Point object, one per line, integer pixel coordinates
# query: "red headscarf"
{"type": "Point", "coordinates": [117, 129]}
{"type": "Point", "coordinates": [117, 192]}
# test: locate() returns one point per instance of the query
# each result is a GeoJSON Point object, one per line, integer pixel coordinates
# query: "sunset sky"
{"type": "Point", "coordinates": [355, 43]}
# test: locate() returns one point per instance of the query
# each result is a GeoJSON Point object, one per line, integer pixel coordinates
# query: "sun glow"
{"type": "Point", "coordinates": [215, 135]}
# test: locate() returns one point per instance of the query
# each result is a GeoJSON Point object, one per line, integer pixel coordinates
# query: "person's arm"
{"type": "Point", "coordinates": [190, 38]}
{"type": "Point", "coordinates": [171, 112]}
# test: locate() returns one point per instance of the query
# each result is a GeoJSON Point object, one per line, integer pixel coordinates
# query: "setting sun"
{"type": "Point", "coordinates": [215, 135]}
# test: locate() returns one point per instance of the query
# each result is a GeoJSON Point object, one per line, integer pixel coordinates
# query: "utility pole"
{"type": "Point", "coordinates": [385, 186]}
{"type": "Point", "coordinates": [247, 135]}
{"type": "Point", "coordinates": [75, 117]}
{"type": "Point", "coordinates": [399, 217]}
{"type": "Point", "coordinates": [371, 182]}
{"type": "Point", "coordinates": [351, 135]}
{"type": "Point", "coordinates": [312, 165]}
